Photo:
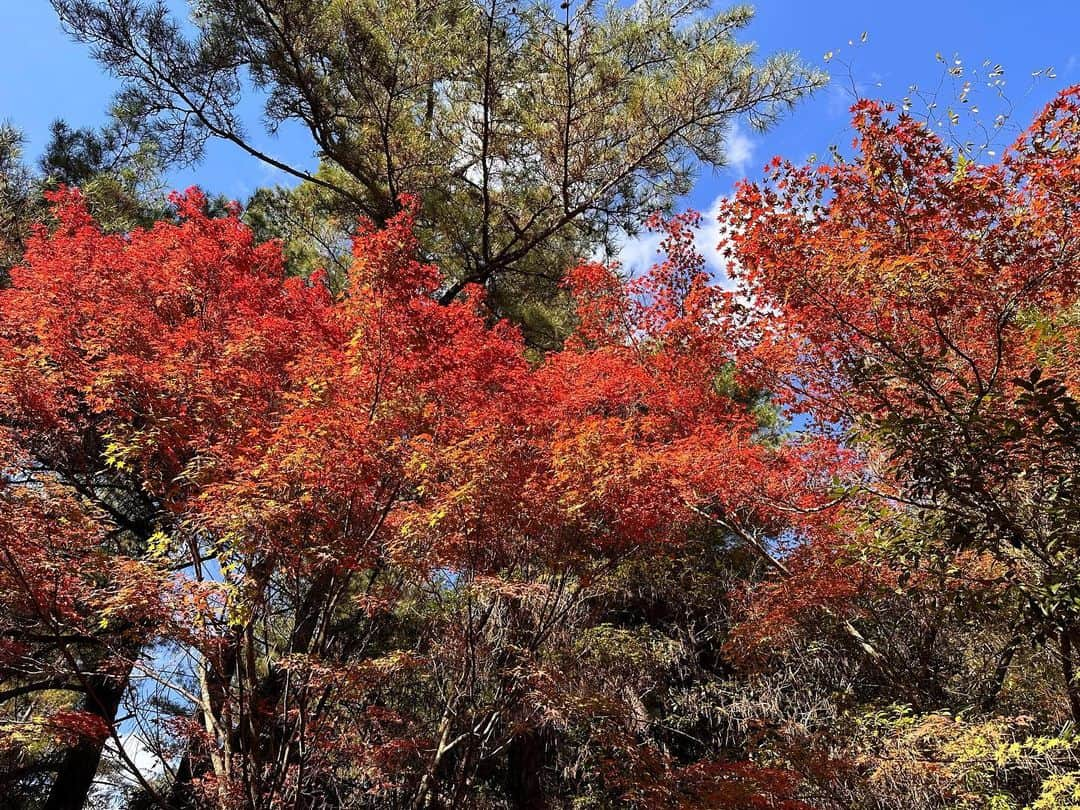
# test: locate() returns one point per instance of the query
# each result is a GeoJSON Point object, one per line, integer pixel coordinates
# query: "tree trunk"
{"type": "Point", "coordinates": [997, 683]}
{"type": "Point", "coordinates": [1072, 688]}
{"type": "Point", "coordinates": [75, 776]}
{"type": "Point", "coordinates": [525, 764]}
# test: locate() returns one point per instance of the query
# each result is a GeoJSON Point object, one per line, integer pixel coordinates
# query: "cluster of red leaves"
{"type": "Point", "coordinates": [173, 383]}
{"type": "Point", "coordinates": [69, 727]}
{"type": "Point", "coordinates": [903, 294]}
{"type": "Point", "coordinates": [131, 367]}
{"type": "Point", "coordinates": [170, 344]}
{"type": "Point", "coordinates": [190, 400]}
{"type": "Point", "coordinates": [647, 780]}
{"type": "Point", "coordinates": [892, 282]}
{"type": "Point", "coordinates": [646, 424]}
{"type": "Point", "coordinates": [419, 434]}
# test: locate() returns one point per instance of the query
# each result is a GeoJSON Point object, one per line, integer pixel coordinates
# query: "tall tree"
{"type": "Point", "coordinates": [530, 133]}
{"type": "Point", "coordinates": [362, 542]}
{"type": "Point", "coordinates": [106, 416]}
{"type": "Point", "coordinates": [924, 306]}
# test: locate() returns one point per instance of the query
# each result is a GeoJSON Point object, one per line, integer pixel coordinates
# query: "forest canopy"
{"type": "Point", "coordinates": [388, 492]}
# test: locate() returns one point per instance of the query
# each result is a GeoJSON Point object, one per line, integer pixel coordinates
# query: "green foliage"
{"type": "Point", "coordinates": [119, 174]}
{"type": "Point", "coordinates": [18, 204]}
{"type": "Point", "coordinates": [964, 762]}
{"type": "Point", "coordinates": [119, 177]}
{"type": "Point", "coordinates": [312, 230]}
{"type": "Point", "coordinates": [533, 134]}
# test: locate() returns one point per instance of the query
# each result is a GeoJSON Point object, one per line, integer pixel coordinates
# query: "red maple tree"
{"type": "Point", "coordinates": [321, 507]}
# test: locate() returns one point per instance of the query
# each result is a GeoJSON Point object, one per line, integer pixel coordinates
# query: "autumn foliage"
{"type": "Point", "coordinates": [269, 483]}
{"type": "Point", "coordinates": [371, 550]}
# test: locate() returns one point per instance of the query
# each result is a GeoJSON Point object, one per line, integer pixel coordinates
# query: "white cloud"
{"type": "Point", "coordinates": [708, 240]}
{"type": "Point", "coordinates": [841, 97]}
{"type": "Point", "coordinates": [739, 148]}
{"type": "Point", "coordinates": [116, 780]}
{"type": "Point", "coordinates": [145, 757]}
{"type": "Point", "coordinates": [638, 253]}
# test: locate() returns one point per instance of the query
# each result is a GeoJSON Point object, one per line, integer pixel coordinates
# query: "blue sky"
{"type": "Point", "coordinates": [46, 76]}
